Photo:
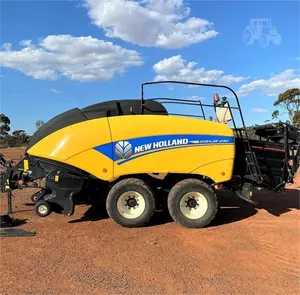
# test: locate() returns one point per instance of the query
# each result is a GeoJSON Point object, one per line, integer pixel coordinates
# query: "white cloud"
{"type": "Point", "coordinates": [55, 91]}
{"type": "Point", "coordinates": [258, 110]}
{"type": "Point", "coordinates": [176, 68]}
{"type": "Point", "coordinates": [196, 97]}
{"type": "Point", "coordinates": [5, 46]}
{"type": "Point", "coordinates": [272, 86]}
{"type": "Point", "coordinates": [160, 23]}
{"type": "Point", "coordinates": [77, 58]}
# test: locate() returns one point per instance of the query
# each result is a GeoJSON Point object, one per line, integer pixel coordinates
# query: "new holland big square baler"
{"type": "Point", "coordinates": [133, 151]}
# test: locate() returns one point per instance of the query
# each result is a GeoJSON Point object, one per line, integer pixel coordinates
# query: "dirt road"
{"type": "Point", "coordinates": [248, 250]}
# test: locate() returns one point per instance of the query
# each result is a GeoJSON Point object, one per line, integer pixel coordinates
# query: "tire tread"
{"type": "Point", "coordinates": [172, 207]}
{"type": "Point", "coordinates": [126, 182]}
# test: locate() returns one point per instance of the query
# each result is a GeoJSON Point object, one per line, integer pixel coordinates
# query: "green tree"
{"type": "Point", "coordinates": [39, 124]}
{"type": "Point", "coordinates": [18, 133]}
{"type": "Point", "coordinates": [289, 101]}
{"type": "Point", "coordinates": [296, 119]}
{"type": "Point", "coordinates": [4, 126]}
{"type": "Point", "coordinates": [275, 114]}
{"type": "Point", "coordinates": [18, 138]}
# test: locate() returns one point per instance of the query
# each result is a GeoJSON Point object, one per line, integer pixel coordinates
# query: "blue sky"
{"type": "Point", "coordinates": [84, 52]}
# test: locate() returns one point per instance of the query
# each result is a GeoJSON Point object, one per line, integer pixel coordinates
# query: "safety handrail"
{"type": "Point", "coordinates": [252, 156]}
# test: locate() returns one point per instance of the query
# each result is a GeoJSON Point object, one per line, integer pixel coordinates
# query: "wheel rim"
{"type": "Point", "coordinates": [42, 209]}
{"type": "Point", "coordinates": [193, 205]}
{"type": "Point", "coordinates": [131, 204]}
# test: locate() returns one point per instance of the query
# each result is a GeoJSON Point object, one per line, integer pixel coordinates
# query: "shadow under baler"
{"type": "Point", "coordinates": [232, 208]}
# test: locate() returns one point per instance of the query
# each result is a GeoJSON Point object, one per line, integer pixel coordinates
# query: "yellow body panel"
{"type": "Point", "coordinates": [94, 163]}
{"type": "Point", "coordinates": [69, 141]}
{"type": "Point", "coordinates": [179, 160]}
{"type": "Point", "coordinates": [154, 144]}
{"type": "Point", "coordinates": [74, 145]}
{"type": "Point", "coordinates": [219, 171]}
{"type": "Point", "coordinates": [183, 161]}
{"type": "Point", "coordinates": [146, 125]}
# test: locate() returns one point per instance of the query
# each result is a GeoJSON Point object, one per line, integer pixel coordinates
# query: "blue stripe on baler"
{"type": "Point", "coordinates": [149, 144]}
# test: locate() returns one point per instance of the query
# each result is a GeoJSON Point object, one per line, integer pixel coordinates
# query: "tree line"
{"type": "Point", "coordinates": [287, 102]}
{"type": "Point", "coordinates": [17, 138]}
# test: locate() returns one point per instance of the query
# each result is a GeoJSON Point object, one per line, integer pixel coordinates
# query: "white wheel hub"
{"type": "Point", "coordinates": [43, 209]}
{"type": "Point", "coordinates": [193, 205]}
{"type": "Point", "coordinates": [131, 204]}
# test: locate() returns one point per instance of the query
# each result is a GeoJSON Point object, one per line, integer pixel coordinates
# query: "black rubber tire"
{"type": "Point", "coordinates": [44, 203]}
{"type": "Point", "coordinates": [130, 184]}
{"type": "Point", "coordinates": [189, 185]}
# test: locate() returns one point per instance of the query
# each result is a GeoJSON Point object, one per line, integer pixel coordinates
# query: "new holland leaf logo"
{"type": "Point", "coordinates": [123, 150]}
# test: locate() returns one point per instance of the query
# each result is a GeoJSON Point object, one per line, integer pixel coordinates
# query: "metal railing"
{"type": "Point", "coordinates": [251, 157]}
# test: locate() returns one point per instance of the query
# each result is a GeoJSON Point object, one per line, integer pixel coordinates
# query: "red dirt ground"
{"type": "Point", "coordinates": [248, 250]}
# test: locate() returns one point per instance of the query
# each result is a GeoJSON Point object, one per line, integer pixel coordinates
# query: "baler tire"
{"type": "Point", "coordinates": [203, 191]}
{"type": "Point", "coordinates": [126, 186]}
{"type": "Point", "coordinates": [45, 205]}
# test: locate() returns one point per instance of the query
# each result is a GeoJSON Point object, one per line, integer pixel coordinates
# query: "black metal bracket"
{"type": "Point", "coordinates": [6, 220]}
{"type": "Point", "coordinates": [245, 193]}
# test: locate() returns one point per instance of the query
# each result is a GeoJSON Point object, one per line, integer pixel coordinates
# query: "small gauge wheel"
{"type": "Point", "coordinates": [42, 208]}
